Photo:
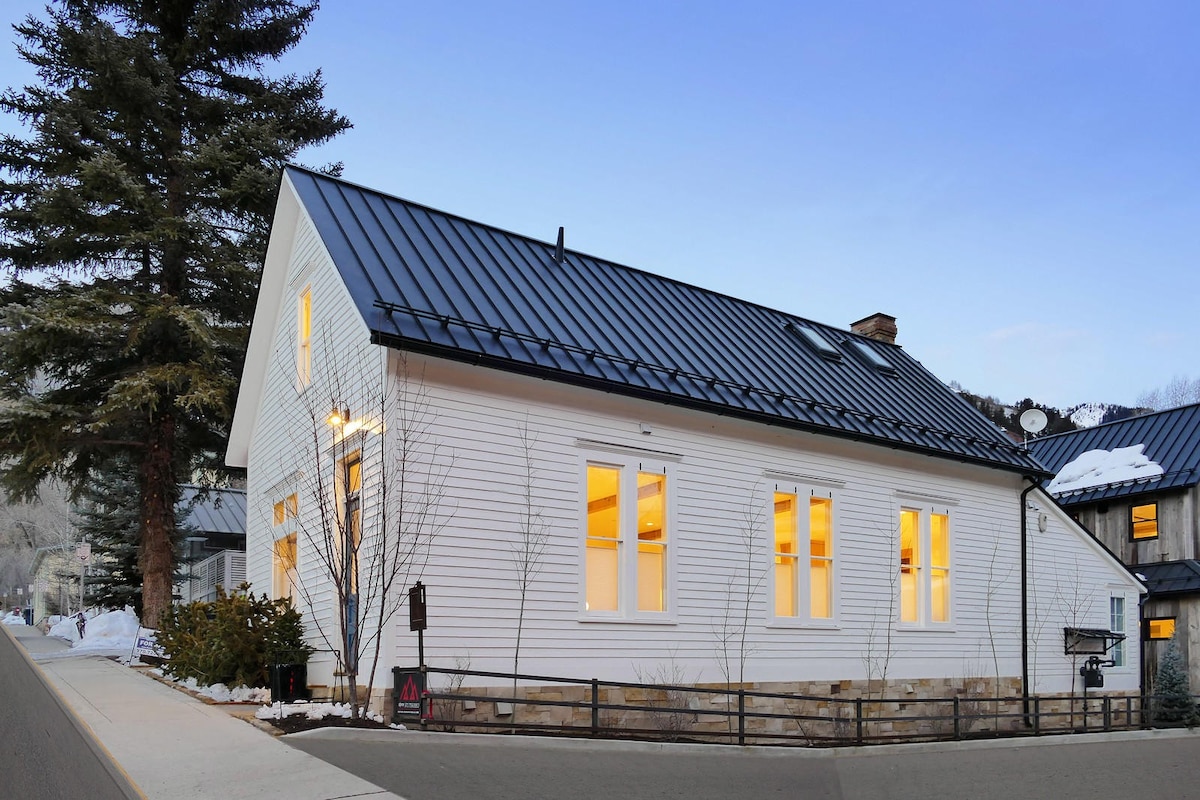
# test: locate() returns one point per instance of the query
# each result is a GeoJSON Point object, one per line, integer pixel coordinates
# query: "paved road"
{"type": "Point", "coordinates": [446, 767]}
{"type": "Point", "coordinates": [45, 753]}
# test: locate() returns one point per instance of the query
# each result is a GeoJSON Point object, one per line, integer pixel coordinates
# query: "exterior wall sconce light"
{"type": "Point", "coordinates": [338, 417]}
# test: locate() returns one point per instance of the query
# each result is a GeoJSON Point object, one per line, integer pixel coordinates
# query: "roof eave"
{"type": "Point", "coordinates": [584, 381]}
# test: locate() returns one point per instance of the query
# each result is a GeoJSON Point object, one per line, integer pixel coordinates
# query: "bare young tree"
{"type": "Point", "coordinates": [533, 536]}
{"type": "Point", "coordinates": [370, 521]}
{"type": "Point", "coordinates": [1180, 391]}
{"type": "Point", "coordinates": [741, 588]}
{"type": "Point", "coordinates": [878, 648]}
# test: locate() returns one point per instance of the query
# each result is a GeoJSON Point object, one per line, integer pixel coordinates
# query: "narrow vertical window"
{"type": "Point", "coordinates": [304, 338]}
{"type": "Point", "coordinates": [1116, 608]}
{"type": "Point", "coordinates": [786, 555]}
{"type": "Point", "coordinates": [352, 521]}
{"type": "Point", "coordinates": [939, 568]}
{"type": "Point", "coordinates": [284, 575]}
{"type": "Point", "coordinates": [820, 545]}
{"type": "Point", "coordinates": [652, 542]}
{"type": "Point", "coordinates": [602, 578]}
{"type": "Point", "coordinates": [910, 565]}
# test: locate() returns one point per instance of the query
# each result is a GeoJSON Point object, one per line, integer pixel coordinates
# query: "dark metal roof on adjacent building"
{"type": "Point", "coordinates": [438, 284]}
{"type": "Point", "coordinates": [1170, 438]}
{"type": "Point", "coordinates": [214, 510]}
{"type": "Point", "coordinates": [1170, 577]}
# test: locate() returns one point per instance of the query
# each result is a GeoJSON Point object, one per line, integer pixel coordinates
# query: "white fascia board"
{"type": "Point", "coordinates": [262, 327]}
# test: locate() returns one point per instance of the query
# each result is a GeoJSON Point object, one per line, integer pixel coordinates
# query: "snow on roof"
{"type": "Point", "coordinates": [1104, 468]}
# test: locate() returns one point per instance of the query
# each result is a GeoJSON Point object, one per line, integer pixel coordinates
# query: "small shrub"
{"type": "Point", "coordinates": [233, 639]}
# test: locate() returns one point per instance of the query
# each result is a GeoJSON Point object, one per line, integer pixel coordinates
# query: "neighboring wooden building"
{"type": "Point", "coordinates": [1136, 485]}
{"type": "Point", "coordinates": [697, 465]}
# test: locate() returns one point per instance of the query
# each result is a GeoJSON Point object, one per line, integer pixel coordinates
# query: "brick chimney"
{"type": "Point", "coordinates": [879, 327]}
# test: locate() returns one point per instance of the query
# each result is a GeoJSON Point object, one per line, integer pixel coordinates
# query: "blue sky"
{"type": "Point", "coordinates": [1017, 183]}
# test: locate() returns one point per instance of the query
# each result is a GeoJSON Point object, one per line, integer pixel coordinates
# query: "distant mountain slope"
{"type": "Point", "coordinates": [1085, 415]}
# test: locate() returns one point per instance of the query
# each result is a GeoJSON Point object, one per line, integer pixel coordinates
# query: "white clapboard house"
{"type": "Point", "coordinates": [706, 481]}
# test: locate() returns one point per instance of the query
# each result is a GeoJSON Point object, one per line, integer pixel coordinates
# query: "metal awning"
{"type": "Point", "coordinates": [1089, 641]}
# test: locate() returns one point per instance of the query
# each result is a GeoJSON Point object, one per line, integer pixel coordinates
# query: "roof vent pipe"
{"type": "Point", "coordinates": [558, 248]}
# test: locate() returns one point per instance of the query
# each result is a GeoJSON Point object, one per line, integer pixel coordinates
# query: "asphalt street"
{"type": "Point", "coordinates": [45, 752]}
{"type": "Point", "coordinates": [452, 767]}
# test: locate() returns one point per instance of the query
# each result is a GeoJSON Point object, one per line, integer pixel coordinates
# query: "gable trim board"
{"type": "Point", "coordinates": [716, 438]}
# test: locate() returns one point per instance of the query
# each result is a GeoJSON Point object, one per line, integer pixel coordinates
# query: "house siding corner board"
{"type": "Point", "coordinates": [719, 473]}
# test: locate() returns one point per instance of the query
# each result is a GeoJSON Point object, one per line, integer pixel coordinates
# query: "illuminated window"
{"type": "Point", "coordinates": [1116, 608]}
{"type": "Point", "coordinates": [349, 528]}
{"type": "Point", "coordinates": [925, 572]}
{"type": "Point", "coordinates": [304, 338]}
{"type": "Point", "coordinates": [283, 575]}
{"type": "Point", "coordinates": [626, 567]}
{"type": "Point", "coordinates": [1144, 521]}
{"type": "Point", "coordinates": [797, 593]}
{"type": "Point", "coordinates": [1160, 628]}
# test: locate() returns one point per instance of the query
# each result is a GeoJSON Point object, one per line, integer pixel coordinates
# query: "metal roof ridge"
{"type": "Point", "coordinates": [599, 259]}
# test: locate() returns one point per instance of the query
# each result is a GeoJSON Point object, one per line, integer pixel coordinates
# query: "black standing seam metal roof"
{"type": "Point", "coordinates": [1171, 439]}
{"type": "Point", "coordinates": [434, 283]}
{"type": "Point", "coordinates": [214, 510]}
{"type": "Point", "coordinates": [1169, 577]}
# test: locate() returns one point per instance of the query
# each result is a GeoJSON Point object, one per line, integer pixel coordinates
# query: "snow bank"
{"type": "Point", "coordinates": [1104, 468]}
{"type": "Point", "coordinates": [109, 633]}
{"type": "Point", "coordinates": [13, 618]}
{"type": "Point", "coordinates": [314, 711]}
{"type": "Point", "coordinates": [223, 694]}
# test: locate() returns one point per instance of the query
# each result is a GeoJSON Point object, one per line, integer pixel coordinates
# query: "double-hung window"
{"type": "Point", "coordinates": [283, 522]}
{"type": "Point", "coordinates": [627, 540]}
{"type": "Point", "coordinates": [1116, 615]}
{"type": "Point", "coordinates": [1143, 521]}
{"type": "Point", "coordinates": [925, 566]}
{"type": "Point", "coordinates": [803, 574]}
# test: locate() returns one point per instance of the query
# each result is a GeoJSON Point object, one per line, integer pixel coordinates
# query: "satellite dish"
{"type": "Point", "coordinates": [1033, 421]}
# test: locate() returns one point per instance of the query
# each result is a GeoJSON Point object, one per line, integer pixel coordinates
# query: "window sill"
{"type": "Point", "coordinates": [804, 624]}
{"type": "Point", "coordinates": [592, 618]}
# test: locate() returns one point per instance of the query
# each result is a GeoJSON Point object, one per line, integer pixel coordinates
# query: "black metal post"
{"type": "Point", "coordinates": [858, 720]}
{"type": "Point", "coordinates": [595, 706]}
{"type": "Point", "coordinates": [741, 716]}
{"type": "Point", "coordinates": [957, 722]}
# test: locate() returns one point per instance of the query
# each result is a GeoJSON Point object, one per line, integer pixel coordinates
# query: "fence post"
{"type": "Point", "coordinates": [858, 720]}
{"type": "Point", "coordinates": [595, 706]}
{"type": "Point", "coordinates": [957, 721]}
{"type": "Point", "coordinates": [741, 716]}
{"type": "Point", "coordinates": [1037, 716]}
{"type": "Point", "coordinates": [1107, 713]}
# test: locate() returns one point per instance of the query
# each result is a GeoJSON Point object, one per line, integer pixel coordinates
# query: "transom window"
{"type": "Point", "coordinates": [626, 565]}
{"type": "Point", "coordinates": [925, 574]}
{"type": "Point", "coordinates": [1144, 521]}
{"type": "Point", "coordinates": [804, 588]}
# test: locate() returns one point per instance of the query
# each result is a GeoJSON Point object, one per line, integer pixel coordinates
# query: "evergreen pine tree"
{"type": "Point", "coordinates": [1173, 695]}
{"type": "Point", "coordinates": [133, 221]}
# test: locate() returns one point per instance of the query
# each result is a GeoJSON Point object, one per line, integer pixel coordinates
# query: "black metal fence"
{"type": "Point", "coordinates": [617, 709]}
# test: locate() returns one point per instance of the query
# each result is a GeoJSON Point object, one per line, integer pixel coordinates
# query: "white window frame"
{"type": "Point", "coordinates": [1119, 653]}
{"type": "Point", "coordinates": [924, 565]}
{"type": "Point", "coordinates": [627, 584]}
{"type": "Point", "coordinates": [304, 348]}
{"type": "Point", "coordinates": [803, 617]}
{"type": "Point", "coordinates": [289, 526]}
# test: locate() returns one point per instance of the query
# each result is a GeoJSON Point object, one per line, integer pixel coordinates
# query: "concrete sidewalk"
{"type": "Point", "coordinates": [175, 746]}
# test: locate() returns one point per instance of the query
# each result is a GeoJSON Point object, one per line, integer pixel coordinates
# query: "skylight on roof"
{"type": "Point", "coordinates": [872, 356]}
{"type": "Point", "coordinates": [818, 342]}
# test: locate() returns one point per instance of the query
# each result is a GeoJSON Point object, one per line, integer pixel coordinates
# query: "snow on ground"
{"type": "Point", "coordinates": [1104, 468]}
{"type": "Point", "coordinates": [223, 694]}
{"type": "Point", "coordinates": [107, 633]}
{"type": "Point", "coordinates": [310, 710]}
{"type": "Point", "coordinates": [14, 618]}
